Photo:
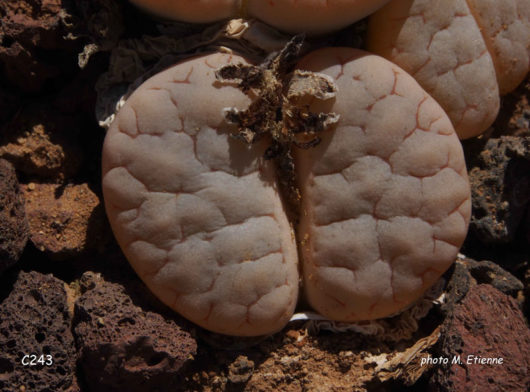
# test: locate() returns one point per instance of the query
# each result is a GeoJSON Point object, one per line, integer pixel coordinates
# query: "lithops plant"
{"type": "Point", "coordinates": [293, 16]}
{"type": "Point", "coordinates": [203, 215]}
{"type": "Point", "coordinates": [463, 52]}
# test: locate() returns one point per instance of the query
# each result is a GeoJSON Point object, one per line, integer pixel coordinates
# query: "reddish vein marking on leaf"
{"type": "Point", "coordinates": [362, 128]}
{"type": "Point", "coordinates": [471, 60]}
{"type": "Point", "coordinates": [372, 307]}
{"type": "Point", "coordinates": [418, 126]}
{"type": "Point", "coordinates": [173, 100]}
{"type": "Point", "coordinates": [335, 299]}
{"type": "Point", "coordinates": [422, 14]}
{"type": "Point", "coordinates": [448, 131]}
{"type": "Point", "coordinates": [433, 121]}
{"type": "Point", "coordinates": [210, 308]}
{"type": "Point", "coordinates": [138, 130]}
{"type": "Point", "coordinates": [132, 136]}
{"type": "Point", "coordinates": [212, 284]}
{"type": "Point", "coordinates": [431, 39]}
{"type": "Point", "coordinates": [468, 108]}
{"type": "Point", "coordinates": [341, 62]}
{"type": "Point", "coordinates": [341, 71]}
{"type": "Point", "coordinates": [394, 85]}
{"type": "Point", "coordinates": [445, 27]}
{"type": "Point", "coordinates": [177, 296]}
{"type": "Point", "coordinates": [186, 80]}
{"type": "Point", "coordinates": [421, 67]}
{"type": "Point", "coordinates": [446, 164]}
{"type": "Point", "coordinates": [153, 273]}
{"type": "Point", "coordinates": [250, 305]}
{"type": "Point", "coordinates": [136, 178]}
{"type": "Point", "coordinates": [193, 138]}
{"type": "Point", "coordinates": [374, 210]}
{"type": "Point", "coordinates": [208, 64]}
{"type": "Point", "coordinates": [121, 210]}
{"type": "Point", "coordinates": [457, 208]}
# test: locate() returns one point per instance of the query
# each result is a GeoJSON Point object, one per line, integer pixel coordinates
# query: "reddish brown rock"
{"type": "Point", "coordinates": [42, 142]}
{"type": "Point", "coordinates": [41, 41]}
{"type": "Point", "coordinates": [32, 32]}
{"type": "Point", "coordinates": [486, 324]}
{"type": "Point", "coordinates": [35, 321]}
{"type": "Point", "coordinates": [124, 347]}
{"type": "Point", "coordinates": [526, 283]}
{"type": "Point", "coordinates": [13, 224]}
{"type": "Point", "coordinates": [64, 220]}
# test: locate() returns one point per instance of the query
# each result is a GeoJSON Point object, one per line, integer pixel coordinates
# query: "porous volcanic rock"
{"type": "Point", "coordinates": [64, 220]}
{"type": "Point", "coordinates": [486, 324]}
{"type": "Point", "coordinates": [35, 320]}
{"type": "Point", "coordinates": [467, 273]}
{"type": "Point", "coordinates": [458, 284]}
{"type": "Point", "coordinates": [124, 347]}
{"type": "Point", "coordinates": [240, 370]}
{"type": "Point", "coordinates": [41, 141]}
{"type": "Point", "coordinates": [500, 187]}
{"type": "Point", "coordinates": [514, 116]}
{"type": "Point", "coordinates": [32, 32]}
{"type": "Point", "coordinates": [13, 224]}
{"type": "Point", "coordinates": [486, 271]}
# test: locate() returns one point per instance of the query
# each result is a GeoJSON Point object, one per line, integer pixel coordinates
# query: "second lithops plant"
{"type": "Point", "coordinates": [464, 53]}
{"type": "Point", "coordinates": [293, 16]}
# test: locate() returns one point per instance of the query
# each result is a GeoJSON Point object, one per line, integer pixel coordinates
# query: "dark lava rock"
{"type": "Point", "coordinates": [459, 282]}
{"type": "Point", "coordinates": [466, 273]}
{"type": "Point", "coordinates": [33, 42]}
{"type": "Point", "coordinates": [514, 115]}
{"type": "Point", "coordinates": [42, 42]}
{"type": "Point", "coordinates": [488, 272]}
{"type": "Point", "coordinates": [500, 188]}
{"type": "Point", "coordinates": [486, 324]}
{"type": "Point", "coordinates": [13, 224]}
{"type": "Point", "coordinates": [100, 22]}
{"type": "Point", "coordinates": [9, 103]}
{"type": "Point", "coordinates": [123, 347]}
{"type": "Point", "coordinates": [35, 320]}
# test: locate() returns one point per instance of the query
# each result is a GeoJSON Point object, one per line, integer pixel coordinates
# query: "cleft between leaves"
{"type": "Point", "coordinates": [281, 109]}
